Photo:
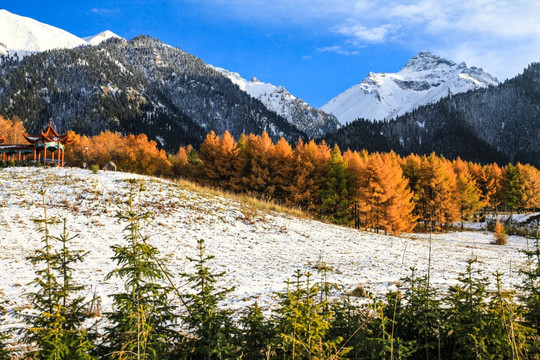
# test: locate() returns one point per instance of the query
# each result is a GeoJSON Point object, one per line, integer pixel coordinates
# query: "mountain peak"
{"type": "Point", "coordinates": [425, 60]}
{"type": "Point", "coordinates": [102, 36]}
{"type": "Point", "coordinates": [24, 35]}
{"type": "Point", "coordinates": [424, 79]}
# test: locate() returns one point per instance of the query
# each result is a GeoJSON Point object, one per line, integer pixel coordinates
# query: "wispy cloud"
{"type": "Point", "coordinates": [501, 35]}
{"type": "Point", "coordinates": [338, 49]}
{"type": "Point", "coordinates": [362, 34]}
{"type": "Point", "coordinates": [105, 12]}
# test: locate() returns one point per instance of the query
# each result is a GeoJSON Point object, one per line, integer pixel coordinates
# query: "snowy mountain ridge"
{"type": "Point", "coordinates": [23, 36]}
{"type": "Point", "coordinates": [101, 37]}
{"type": "Point", "coordinates": [425, 79]}
{"type": "Point", "coordinates": [313, 122]}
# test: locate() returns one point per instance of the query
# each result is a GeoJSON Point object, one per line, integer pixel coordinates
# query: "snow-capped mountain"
{"type": "Point", "coordinates": [23, 35]}
{"type": "Point", "coordinates": [425, 79]}
{"type": "Point", "coordinates": [313, 122]}
{"type": "Point", "coordinates": [101, 37]}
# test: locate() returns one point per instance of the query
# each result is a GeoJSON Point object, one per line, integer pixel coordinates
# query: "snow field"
{"type": "Point", "coordinates": [258, 253]}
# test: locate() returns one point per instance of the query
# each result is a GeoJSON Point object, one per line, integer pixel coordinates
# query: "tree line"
{"type": "Point", "coordinates": [314, 319]}
{"type": "Point", "coordinates": [380, 191]}
{"type": "Point", "coordinates": [377, 191]}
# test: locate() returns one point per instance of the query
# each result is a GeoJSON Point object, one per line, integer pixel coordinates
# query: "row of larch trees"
{"type": "Point", "coordinates": [379, 191]}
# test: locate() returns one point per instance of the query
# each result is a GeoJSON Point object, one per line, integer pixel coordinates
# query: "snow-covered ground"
{"type": "Point", "coordinates": [258, 252]}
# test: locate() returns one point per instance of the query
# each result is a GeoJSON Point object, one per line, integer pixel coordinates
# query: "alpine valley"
{"type": "Point", "coordinates": [105, 82]}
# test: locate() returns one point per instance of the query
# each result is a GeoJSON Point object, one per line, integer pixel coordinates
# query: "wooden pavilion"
{"type": "Point", "coordinates": [48, 142]}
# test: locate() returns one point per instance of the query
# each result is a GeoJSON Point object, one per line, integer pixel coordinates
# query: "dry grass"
{"type": "Point", "coordinates": [250, 202]}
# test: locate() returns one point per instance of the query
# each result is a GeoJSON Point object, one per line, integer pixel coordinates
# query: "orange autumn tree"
{"type": "Point", "coordinates": [469, 194]}
{"type": "Point", "coordinates": [436, 192]}
{"type": "Point", "coordinates": [142, 156]}
{"type": "Point", "coordinates": [185, 163]}
{"type": "Point", "coordinates": [218, 156]}
{"type": "Point", "coordinates": [77, 153]}
{"type": "Point", "coordinates": [487, 179]}
{"type": "Point", "coordinates": [179, 163]}
{"type": "Point", "coordinates": [385, 200]}
{"type": "Point", "coordinates": [253, 173]}
{"type": "Point", "coordinates": [133, 153]}
{"type": "Point", "coordinates": [12, 130]}
{"type": "Point", "coordinates": [310, 162]}
{"type": "Point", "coordinates": [530, 186]}
{"type": "Point", "coordinates": [282, 170]}
{"type": "Point", "coordinates": [399, 207]}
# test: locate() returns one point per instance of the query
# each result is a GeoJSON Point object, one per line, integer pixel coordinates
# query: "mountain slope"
{"type": "Point", "coordinates": [313, 122]}
{"type": "Point", "coordinates": [137, 86]}
{"type": "Point", "coordinates": [141, 85]}
{"type": "Point", "coordinates": [258, 251]}
{"type": "Point", "coordinates": [425, 79]}
{"type": "Point", "coordinates": [498, 124]}
{"type": "Point", "coordinates": [23, 35]}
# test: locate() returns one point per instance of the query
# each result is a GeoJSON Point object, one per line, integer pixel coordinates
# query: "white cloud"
{"type": "Point", "coordinates": [362, 34]}
{"type": "Point", "coordinates": [104, 12]}
{"type": "Point", "coordinates": [503, 36]}
{"type": "Point", "coordinates": [338, 49]}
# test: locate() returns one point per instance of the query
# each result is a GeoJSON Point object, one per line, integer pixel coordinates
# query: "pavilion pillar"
{"type": "Point", "coordinates": [44, 154]}
{"type": "Point", "coordinates": [35, 154]}
{"type": "Point", "coordinates": [19, 155]}
{"type": "Point", "coordinates": [63, 152]}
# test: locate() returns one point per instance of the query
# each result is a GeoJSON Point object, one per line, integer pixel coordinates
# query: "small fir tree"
{"type": "Point", "coordinates": [57, 329]}
{"type": "Point", "coordinates": [211, 328]}
{"type": "Point", "coordinates": [304, 323]}
{"type": "Point", "coordinates": [508, 337]}
{"type": "Point", "coordinates": [5, 353]}
{"type": "Point", "coordinates": [419, 320]}
{"type": "Point", "coordinates": [467, 334]}
{"type": "Point", "coordinates": [256, 334]}
{"type": "Point", "coordinates": [531, 285]}
{"type": "Point", "coordinates": [349, 323]}
{"type": "Point", "coordinates": [142, 317]}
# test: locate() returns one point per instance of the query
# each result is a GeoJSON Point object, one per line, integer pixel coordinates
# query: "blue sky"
{"type": "Point", "coordinates": [315, 48]}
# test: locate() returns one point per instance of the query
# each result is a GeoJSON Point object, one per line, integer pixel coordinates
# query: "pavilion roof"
{"type": "Point", "coordinates": [48, 135]}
